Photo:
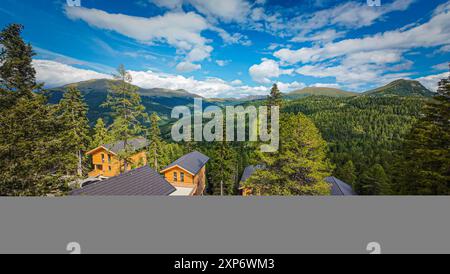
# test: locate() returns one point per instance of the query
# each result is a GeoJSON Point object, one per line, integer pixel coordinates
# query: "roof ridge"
{"type": "Point", "coordinates": [337, 183]}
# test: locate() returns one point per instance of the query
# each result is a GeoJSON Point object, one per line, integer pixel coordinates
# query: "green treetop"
{"type": "Point", "coordinates": [101, 135]}
{"type": "Point", "coordinates": [275, 97]}
{"type": "Point", "coordinates": [299, 167]}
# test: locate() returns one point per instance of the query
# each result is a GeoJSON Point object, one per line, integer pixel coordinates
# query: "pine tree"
{"type": "Point", "coordinates": [101, 135]}
{"type": "Point", "coordinates": [73, 113]}
{"type": "Point", "coordinates": [347, 173]}
{"type": "Point", "coordinates": [170, 153]}
{"type": "Point", "coordinates": [156, 143]}
{"type": "Point", "coordinates": [373, 181]}
{"type": "Point", "coordinates": [128, 112]}
{"type": "Point", "coordinates": [425, 162]}
{"type": "Point", "coordinates": [276, 97]}
{"type": "Point", "coordinates": [222, 169]}
{"type": "Point", "coordinates": [16, 71]}
{"type": "Point", "coordinates": [299, 167]}
{"type": "Point", "coordinates": [31, 151]}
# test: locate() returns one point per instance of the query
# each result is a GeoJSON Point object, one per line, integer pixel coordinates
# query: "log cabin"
{"type": "Point", "coordinates": [188, 173]}
{"type": "Point", "coordinates": [106, 160]}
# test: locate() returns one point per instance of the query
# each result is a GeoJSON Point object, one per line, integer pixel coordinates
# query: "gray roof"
{"type": "Point", "coordinates": [248, 172]}
{"type": "Point", "coordinates": [136, 144]}
{"type": "Point", "coordinates": [192, 162]}
{"type": "Point", "coordinates": [142, 181]}
{"type": "Point", "coordinates": [339, 188]}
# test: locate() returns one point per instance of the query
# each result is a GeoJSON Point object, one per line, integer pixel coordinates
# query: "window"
{"type": "Point", "coordinates": [99, 167]}
{"type": "Point", "coordinates": [182, 177]}
{"type": "Point", "coordinates": [103, 158]}
{"type": "Point", "coordinates": [175, 177]}
{"type": "Point", "coordinates": [109, 159]}
{"type": "Point", "coordinates": [109, 168]}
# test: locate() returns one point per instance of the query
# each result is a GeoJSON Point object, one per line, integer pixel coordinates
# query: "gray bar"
{"type": "Point", "coordinates": [171, 225]}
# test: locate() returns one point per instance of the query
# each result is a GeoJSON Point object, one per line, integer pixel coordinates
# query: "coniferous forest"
{"type": "Point", "coordinates": [381, 145]}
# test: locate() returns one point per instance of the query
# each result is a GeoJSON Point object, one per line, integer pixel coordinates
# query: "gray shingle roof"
{"type": "Point", "coordinates": [135, 144]}
{"type": "Point", "coordinates": [339, 188]}
{"type": "Point", "coordinates": [142, 181]}
{"type": "Point", "coordinates": [192, 162]}
{"type": "Point", "coordinates": [248, 172]}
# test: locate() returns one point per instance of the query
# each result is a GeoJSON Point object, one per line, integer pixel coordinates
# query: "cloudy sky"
{"type": "Point", "coordinates": [234, 48]}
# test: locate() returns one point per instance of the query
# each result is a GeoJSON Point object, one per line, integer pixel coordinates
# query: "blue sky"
{"type": "Point", "coordinates": [236, 48]}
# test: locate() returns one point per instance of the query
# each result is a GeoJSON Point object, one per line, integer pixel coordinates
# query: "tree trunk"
{"type": "Point", "coordinates": [125, 161]}
{"type": "Point", "coordinates": [155, 159]}
{"type": "Point", "coordinates": [80, 164]}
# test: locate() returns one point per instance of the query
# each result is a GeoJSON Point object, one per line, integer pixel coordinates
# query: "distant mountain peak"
{"type": "Point", "coordinates": [401, 87]}
{"type": "Point", "coordinates": [320, 91]}
{"type": "Point", "coordinates": [102, 85]}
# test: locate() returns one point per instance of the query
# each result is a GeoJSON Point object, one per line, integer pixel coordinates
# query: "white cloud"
{"type": "Point", "coordinates": [229, 10]}
{"type": "Point", "coordinates": [188, 67]}
{"type": "Point", "coordinates": [321, 36]}
{"type": "Point", "coordinates": [442, 66]}
{"type": "Point", "coordinates": [268, 69]}
{"type": "Point", "coordinates": [434, 33]}
{"type": "Point", "coordinates": [222, 63]}
{"type": "Point", "coordinates": [314, 26]}
{"type": "Point", "coordinates": [55, 74]}
{"type": "Point", "coordinates": [373, 59]}
{"type": "Point", "coordinates": [209, 88]}
{"type": "Point", "coordinates": [60, 58]}
{"type": "Point", "coordinates": [171, 4]}
{"type": "Point", "coordinates": [178, 29]}
{"type": "Point", "coordinates": [199, 53]}
{"type": "Point", "coordinates": [236, 82]}
{"type": "Point", "coordinates": [445, 49]}
{"type": "Point", "coordinates": [288, 87]}
{"type": "Point", "coordinates": [431, 81]}
{"type": "Point", "coordinates": [326, 85]}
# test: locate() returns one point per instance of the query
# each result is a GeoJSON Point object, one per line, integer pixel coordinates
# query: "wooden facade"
{"type": "Point", "coordinates": [106, 163]}
{"type": "Point", "coordinates": [179, 177]}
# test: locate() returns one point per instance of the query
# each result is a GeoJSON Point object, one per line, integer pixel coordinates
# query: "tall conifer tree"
{"type": "Point", "coordinates": [299, 167]}
{"type": "Point", "coordinates": [425, 162]}
{"type": "Point", "coordinates": [156, 143]}
{"type": "Point", "coordinates": [73, 112]}
{"type": "Point", "coordinates": [128, 112]}
{"type": "Point", "coordinates": [31, 150]}
{"type": "Point", "coordinates": [101, 135]}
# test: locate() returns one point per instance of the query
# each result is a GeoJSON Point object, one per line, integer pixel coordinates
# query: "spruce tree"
{"type": "Point", "coordinates": [222, 169]}
{"type": "Point", "coordinates": [73, 113]}
{"type": "Point", "coordinates": [275, 97]}
{"type": "Point", "coordinates": [16, 71]}
{"type": "Point", "coordinates": [101, 135]}
{"type": "Point", "coordinates": [373, 181]}
{"type": "Point", "coordinates": [347, 173]}
{"type": "Point", "coordinates": [31, 151]}
{"type": "Point", "coordinates": [299, 167]}
{"type": "Point", "coordinates": [169, 153]}
{"type": "Point", "coordinates": [156, 143]}
{"type": "Point", "coordinates": [127, 110]}
{"type": "Point", "coordinates": [425, 161]}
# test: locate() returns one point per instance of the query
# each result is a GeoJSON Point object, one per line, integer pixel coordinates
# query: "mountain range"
{"type": "Point", "coordinates": [401, 88]}
{"type": "Point", "coordinates": [162, 101]}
